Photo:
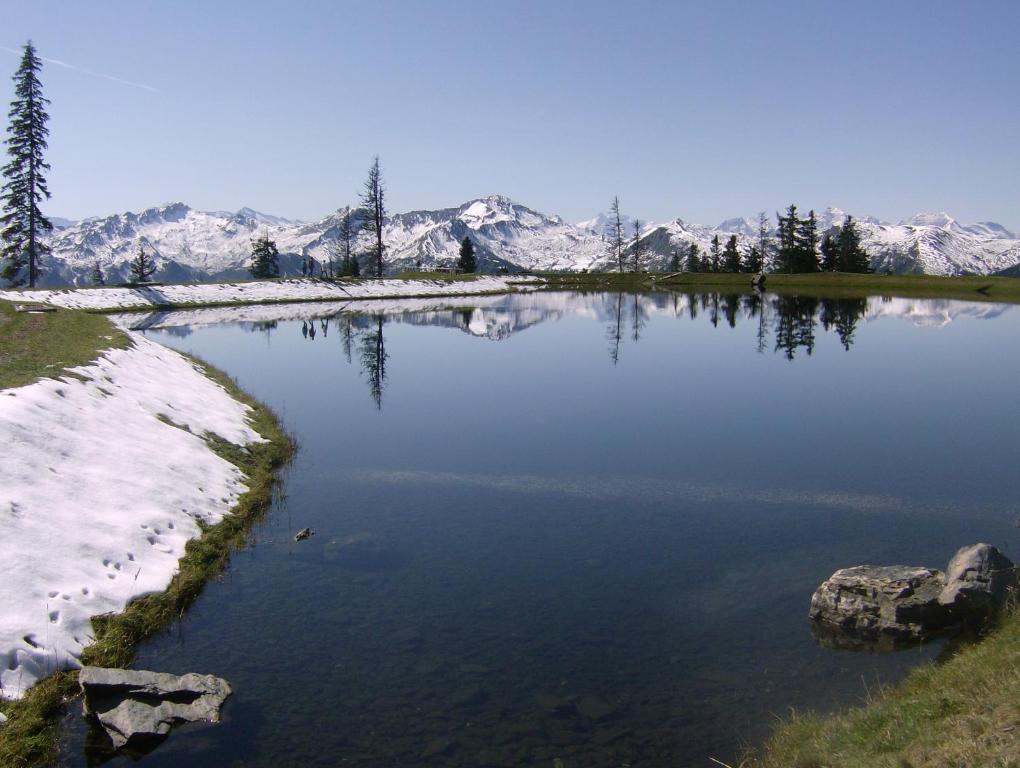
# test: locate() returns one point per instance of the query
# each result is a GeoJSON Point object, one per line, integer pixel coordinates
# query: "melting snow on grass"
{"type": "Point", "coordinates": [262, 291]}
{"type": "Point", "coordinates": [100, 495]}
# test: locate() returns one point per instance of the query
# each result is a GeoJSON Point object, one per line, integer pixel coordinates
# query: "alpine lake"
{"type": "Point", "coordinates": [579, 529]}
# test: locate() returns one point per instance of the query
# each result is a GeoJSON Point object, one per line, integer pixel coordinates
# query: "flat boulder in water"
{"type": "Point", "coordinates": [874, 601]}
{"type": "Point", "coordinates": [137, 709]}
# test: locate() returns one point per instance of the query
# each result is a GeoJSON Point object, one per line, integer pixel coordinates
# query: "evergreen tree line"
{"type": "Point", "coordinates": [798, 250]}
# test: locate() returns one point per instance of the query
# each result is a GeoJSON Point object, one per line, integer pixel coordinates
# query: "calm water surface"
{"type": "Point", "coordinates": [581, 527]}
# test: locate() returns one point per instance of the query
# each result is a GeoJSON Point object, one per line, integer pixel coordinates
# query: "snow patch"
{"type": "Point", "coordinates": [101, 494]}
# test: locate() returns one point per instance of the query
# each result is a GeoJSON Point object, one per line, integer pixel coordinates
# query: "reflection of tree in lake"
{"type": "Point", "coordinates": [713, 313]}
{"type": "Point", "coordinates": [638, 320]}
{"type": "Point", "coordinates": [731, 303]}
{"type": "Point", "coordinates": [373, 359]}
{"type": "Point", "coordinates": [754, 307]}
{"type": "Point", "coordinates": [615, 330]}
{"type": "Point", "coordinates": [795, 324]}
{"type": "Point", "coordinates": [346, 335]}
{"type": "Point", "coordinates": [843, 314]}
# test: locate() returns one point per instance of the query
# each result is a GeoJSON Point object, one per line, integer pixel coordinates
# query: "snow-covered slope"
{"type": "Point", "coordinates": [197, 245]}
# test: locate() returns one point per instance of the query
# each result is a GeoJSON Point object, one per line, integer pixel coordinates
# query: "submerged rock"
{"type": "Point", "coordinates": [304, 533]}
{"type": "Point", "coordinates": [871, 601]}
{"type": "Point", "coordinates": [137, 709]}
{"type": "Point", "coordinates": [979, 578]}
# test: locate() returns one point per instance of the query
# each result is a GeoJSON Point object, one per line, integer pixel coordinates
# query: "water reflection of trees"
{"type": "Point", "coordinates": [789, 322]}
{"type": "Point", "coordinates": [361, 334]}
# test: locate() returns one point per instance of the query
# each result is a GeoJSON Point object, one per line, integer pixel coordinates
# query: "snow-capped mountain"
{"type": "Point", "coordinates": [198, 245]}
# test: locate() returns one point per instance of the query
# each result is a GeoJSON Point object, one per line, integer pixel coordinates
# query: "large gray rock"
{"type": "Point", "coordinates": [137, 709]}
{"type": "Point", "coordinates": [872, 602]}
{"type": "Point", "coordinates": [979, 578]}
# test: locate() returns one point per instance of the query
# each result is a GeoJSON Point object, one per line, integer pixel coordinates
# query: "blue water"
{"type": "Point", "coordinates": [582, 527]}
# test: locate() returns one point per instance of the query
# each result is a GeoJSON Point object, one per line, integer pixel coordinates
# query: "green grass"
{"type": "Point", "coordinates": [441, 276]}
{"type": "Point", "coordinates": [33, 346]}
{"type": "Point", "coordinates": [823, 285]}
{"type": "Point", "coordinates": [964, 712]}
{"type": "Point", "coordinates": [29, 738]}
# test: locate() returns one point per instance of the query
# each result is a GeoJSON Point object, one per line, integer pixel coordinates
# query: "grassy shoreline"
{"type": "Point", "coordinates": [822, 285]}
{"type": "Point", "coordinates": [29, 738]}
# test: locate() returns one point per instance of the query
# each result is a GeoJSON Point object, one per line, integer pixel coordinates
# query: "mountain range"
{"type": "Point", "coordinates": [192, 245]}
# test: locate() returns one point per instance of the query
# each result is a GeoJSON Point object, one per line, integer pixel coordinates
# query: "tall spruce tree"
{"type": "Point", "coordinates": [24, 187]}
{"type": "Point", "coordinates": [265, 258]}
{"type": "Point", "coordinates": [807, 244]}
{"type": "Point", "coordinates": [693, 258]}
{"type": "Point", "coordinates": [466, 262]}
{"type": "Point", "coordinates": [731, 256]}
{"type": "Point", "coordinates": [753, 263]}
{"type": "Point", "coordinates": [143, 266]}
{"type": "Point", "coordinates": [830, 253]}
{"type": "Point", "coordinates": [851, 257]}
{"type": "Point", "coordinates": [674, 262]}
{"type": "Point", "coordinates": [715, 260]}
{"type": "Point", "coordinates": [373, 200]}
{"type": "Point", "coordinates": [637, 252]}
{"type": "Point", "coordinates": [788, 245]}
{"type": "Point", "coordinates": [97, 278]}
{"type": "Point", "coordinates": [764, 241]}
{"type": "Point", "coordinates": [345, 242]}
{"type": "Point", "coordinates": [615, 249]}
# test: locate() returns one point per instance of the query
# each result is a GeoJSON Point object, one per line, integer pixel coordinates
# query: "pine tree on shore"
{"type": "Point", "coordinates": [715, 260]}
{"type": "Point", "coordinates": [637, 254]}
{"type": "Point", "coordinates": [788, 246]}
{"type": "Point", "coordinates": [764, 242]}
{"type": "Point", "coordinates": [345, 242]}
{"type": "Point", "coordinates": [830, 253]}
{"type": "Point", "coordinates": [466, 262]}
{"type": "Point", "coordinates": [97, 276]}
{"type": "Point", "coordinates": [807, 244]}
{"type": "Point", "coordinates": [143, 266]}
{"type": "Point", "coordinates": [731, 256]}
{"type": "Point", "coordinates": [616, 233]}
{"type": "Point", "coordinates": [693, 258]}
{"type": "Point", "coordinates": [851, 257]}
{"type": "Point", "coordinates": [24, 187]}
{"type": "Point", "coordinates": [373, 200]}
{"type": "Point", "coordinates": [265, 258]}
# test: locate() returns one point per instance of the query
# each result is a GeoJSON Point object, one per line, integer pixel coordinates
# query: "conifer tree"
{"type": "Point", "coordinates": [466, 262]}
{"type": "Point", "coordinates": [616, 233]}
{"type": "Point", "coordinates": [788, 246]}
{"type": "Point", "coordinates": [345, 241]}
{"type": "Point", "coordinates": [637, 248]}
{"type": "Point", "coordinates": [97, 276]}
{"type": "Point", "coordinates": [851, 257]}
{"type": "Point", "coordinates": [22, 223]}
{"type": "Point", "coordinates": [143, 266]}
{"type": "Point", "coordinates": [265, 258]}
{"type": "Point", "coordinates": [373, 200]}
{"type": "Point", "coordinates": [715, 261]}
{"type": "Point", "coordinates": [674, 262]}
{"type": "Point", "coordinates": [355, 266]}
{"type": "Point", "coordinates": [753, 264]}
{"type": "Point", "coordinates": [807, 244]}
{"type": "Point", "coordinates": [830, 253]}
{"type": "Point", "coordinates": [764, 241]}
{"type": "Point", "coordinates": [731, 256]}
{"type": "Point", "coordinates": [693, 258]}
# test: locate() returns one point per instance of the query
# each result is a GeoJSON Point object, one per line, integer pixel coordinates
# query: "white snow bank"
{"type": "Point", "coordinates": [99, 496]}
{"type": "Point", "coordinates": [269, 290]}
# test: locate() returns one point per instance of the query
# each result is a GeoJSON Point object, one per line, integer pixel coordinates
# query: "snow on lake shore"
{"type": "Point", "coordinates": [99, 496]}
{"type": "Point", "coordinates": [262, 291]}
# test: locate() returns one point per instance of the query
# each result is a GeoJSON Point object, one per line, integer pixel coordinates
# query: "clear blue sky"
{"type": "Point", "coordinates": [702, 110]}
